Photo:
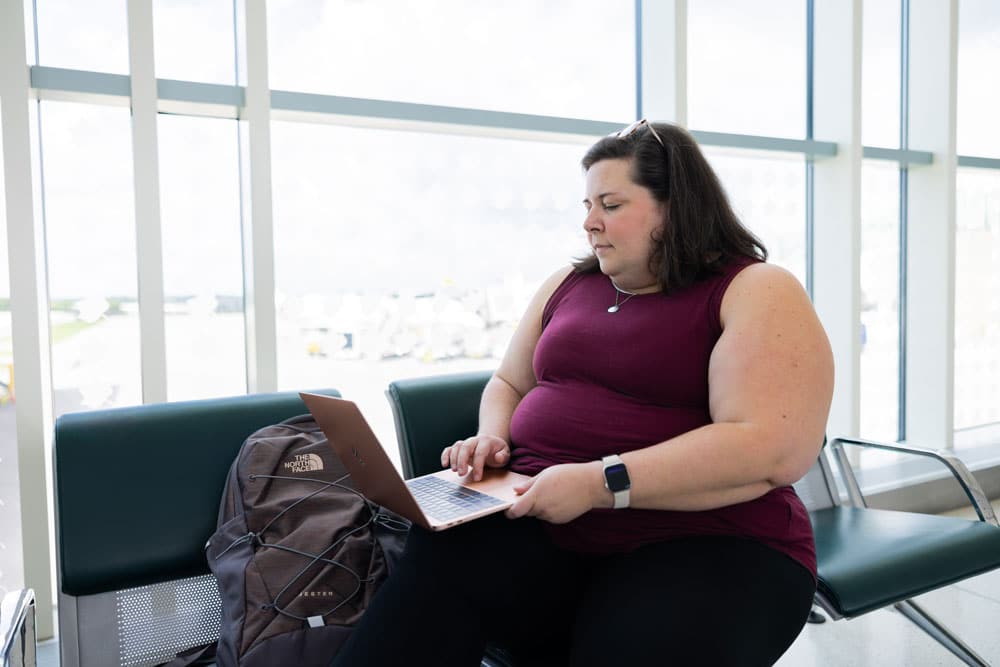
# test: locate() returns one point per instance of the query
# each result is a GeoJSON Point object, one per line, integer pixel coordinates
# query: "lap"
{"type": "Point", "coordinates": [712, 601]}
{"type": "Point", "coordinates": [693, 601]}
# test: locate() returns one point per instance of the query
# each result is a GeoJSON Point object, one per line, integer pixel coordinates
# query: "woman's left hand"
{"type": "Point", "coordinates": [558, 494]}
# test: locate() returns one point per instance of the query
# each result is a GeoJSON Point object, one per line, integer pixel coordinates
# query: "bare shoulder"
{"type": "Point", "coordinates": [549, 286]}
{"type": "Point", "coordinates": [553, 281]}
{"type": "Point", "coordinates": [761, 289]}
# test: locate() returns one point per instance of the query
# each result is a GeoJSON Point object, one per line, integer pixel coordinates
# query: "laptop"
{"type": "Point", "coordinates": [437, 501]}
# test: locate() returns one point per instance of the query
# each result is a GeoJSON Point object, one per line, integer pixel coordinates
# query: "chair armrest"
{"type": "Point", "coordinates": [973, 491]}
{"type": "Point", "coordinates": [17, 628]}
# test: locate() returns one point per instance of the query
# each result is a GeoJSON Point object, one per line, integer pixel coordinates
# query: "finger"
{"type": "Point", "coordinates": [446, 457]}
{"type": "Point", "coordinates": [479, 460]}
{"type": "Point", "coordinates": [522, 487]}
{"type": "Point", "coordinates": [464, 454]}
{"type": "Point", "coordinates": [520, 508]}
{"type": "Point", "coordinates": [456, 454]}
{"type": "Point", "coordinates": [500, 457]}
{"type": "Point", "coordinates": [453, 453]}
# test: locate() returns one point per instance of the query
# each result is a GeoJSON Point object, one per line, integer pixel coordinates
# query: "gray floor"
{"type": "Point", "coordinates": [970, 609]}
{"type": "Point", "coordinates": [880, 639]}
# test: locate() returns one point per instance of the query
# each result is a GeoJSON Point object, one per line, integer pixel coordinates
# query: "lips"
{"type": "Point", "coordinates": [600, 248]}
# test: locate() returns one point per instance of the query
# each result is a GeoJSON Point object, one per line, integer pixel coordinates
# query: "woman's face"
{"type": "Point", "coordinates": [622, 218]}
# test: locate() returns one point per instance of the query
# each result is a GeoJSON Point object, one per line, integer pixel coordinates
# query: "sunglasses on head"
{"type": "Point", "coordinates": [634, 127]}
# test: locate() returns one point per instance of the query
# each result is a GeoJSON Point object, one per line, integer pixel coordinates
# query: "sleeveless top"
{"type": "Point", "coordinates": [608, 383]}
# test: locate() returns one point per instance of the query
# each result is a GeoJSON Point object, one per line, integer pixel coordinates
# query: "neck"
{"type": "Point", "coordinates": [628, 288]}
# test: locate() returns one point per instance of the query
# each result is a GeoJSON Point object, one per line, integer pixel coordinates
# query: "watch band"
{"type": "Point", "coordinates": [616, 480]}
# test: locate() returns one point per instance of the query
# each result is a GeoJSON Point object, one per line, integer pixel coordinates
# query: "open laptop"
{"type": "Point", "coordinates": [436, 501]}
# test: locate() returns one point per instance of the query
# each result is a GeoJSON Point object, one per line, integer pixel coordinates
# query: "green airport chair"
{"type": "Point", "coordinates": [137, 493]}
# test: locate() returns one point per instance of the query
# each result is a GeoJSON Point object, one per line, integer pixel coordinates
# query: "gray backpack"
{"type": "Point", "coordinates": [298, 553]}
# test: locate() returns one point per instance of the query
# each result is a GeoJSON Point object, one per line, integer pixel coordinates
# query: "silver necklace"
{"type": "Point", "coordinates": [618, 293]}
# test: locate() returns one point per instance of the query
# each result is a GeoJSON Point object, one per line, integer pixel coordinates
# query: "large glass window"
{"type": "Point", "coordinates": [767, 191]}
{"type": "Point", "coordinates": [202, 257]}
{"type": "Point", "coordinates": [977, 298]}
{"type": "Point", "coordinates": [90, 35]}
{"type": "Point", "coordinates": [978, 92]}
{"type": "Point", "coordinates": [735, 84]}
{"type": "Point", "coordinates": [573, 58]}
{"type": "Point", "coordinates": [879, 302]}
{"type": "Point", "coordinates": [194, 40]}
{"type": "Point", "coordinates": [90, 232]}
{"type": "Point", "coordinates": [881, 27]}
{"type": "Point", "coordinates": [401, 254]}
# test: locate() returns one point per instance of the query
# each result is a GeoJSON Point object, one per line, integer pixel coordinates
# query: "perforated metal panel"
{"type": "Point", "coordinates": [156, 622]}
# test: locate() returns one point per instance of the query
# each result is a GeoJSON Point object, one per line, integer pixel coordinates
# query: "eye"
{"type": "Point", "coordinates": [611, 207]}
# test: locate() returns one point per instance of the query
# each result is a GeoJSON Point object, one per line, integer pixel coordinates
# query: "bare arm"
{"type": "Point", "coordinates": [770, 386]}
{"type": "Point", "coordinates": [513, 379]}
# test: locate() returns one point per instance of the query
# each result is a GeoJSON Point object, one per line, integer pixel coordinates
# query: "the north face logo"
{"type": "Point", "coordinates": [304, 463]}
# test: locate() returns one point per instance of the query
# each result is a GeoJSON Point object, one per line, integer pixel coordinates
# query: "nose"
{"type": "Point", "coordinates": [592, 222]}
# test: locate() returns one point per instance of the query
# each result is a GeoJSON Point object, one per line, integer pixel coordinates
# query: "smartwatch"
{"type": "Point", "coordinates": [616, 480]}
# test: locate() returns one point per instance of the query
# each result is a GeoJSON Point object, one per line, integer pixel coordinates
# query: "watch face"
{"type": "Point", "coordinates": [616, 477]}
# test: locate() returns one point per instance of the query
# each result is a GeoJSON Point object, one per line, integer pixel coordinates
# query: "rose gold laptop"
{"type": "Point", "coordinates": [436, 501]}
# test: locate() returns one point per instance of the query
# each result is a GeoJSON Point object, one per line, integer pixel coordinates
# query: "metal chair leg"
{"type": "Point", "coordinates": [941, 634]}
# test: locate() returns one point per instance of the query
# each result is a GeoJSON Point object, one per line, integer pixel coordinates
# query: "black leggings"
{"type": "Point", "coordinates": [692, 601]}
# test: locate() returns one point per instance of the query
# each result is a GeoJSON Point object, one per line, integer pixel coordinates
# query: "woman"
{"type": "Point", "coordinates": [664, 392]}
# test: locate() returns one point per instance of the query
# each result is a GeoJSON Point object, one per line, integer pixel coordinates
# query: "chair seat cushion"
{"type": "Point", "coordinates": [869, 558]}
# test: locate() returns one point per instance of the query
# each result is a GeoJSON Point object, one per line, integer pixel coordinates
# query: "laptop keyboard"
{"type": "Point", "coordinates": [446, 500]}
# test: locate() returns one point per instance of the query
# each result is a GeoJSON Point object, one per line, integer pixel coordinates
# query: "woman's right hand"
{"type": "Point", "coordinates": [475, 453]}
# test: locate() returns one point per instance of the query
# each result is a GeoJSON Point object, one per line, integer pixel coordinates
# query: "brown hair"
{"type": "Point", "coordinates": [700, 233]}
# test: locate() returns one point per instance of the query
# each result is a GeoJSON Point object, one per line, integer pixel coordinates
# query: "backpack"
{"type": "Point", "coordinates": [298, 553]}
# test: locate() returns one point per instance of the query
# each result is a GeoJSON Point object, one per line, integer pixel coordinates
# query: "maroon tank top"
{"type": "Point", "coordinates": [608, 383]}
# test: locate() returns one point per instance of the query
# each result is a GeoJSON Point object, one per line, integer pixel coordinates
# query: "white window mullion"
{"type": "Point", "coordinates": [837, 200]}
{"type": "Point", "coordinates": [930, 265]}
{"type": "Point", "coordinates": [29, 313]}
{"type": "Point", "coordinates": [663, 53]}
{"type": "Point", "coordinates": [149, 236]}
{"type": "Point", "coordinates": [258, 223]}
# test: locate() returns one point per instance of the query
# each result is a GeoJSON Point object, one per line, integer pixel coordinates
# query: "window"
{"type": "Point", "coordinates": [194, 41]}
{"type": "Point", "coordinates": [411, 254]}
{"type": "Point", "coordinates": [90, 35]}
{"type": "Point", "coordinates": [10, 502]}
{"type": "Point", "coordinates": [90, 231]}
{"type": "Point", "coordinates": [880, 74]}
{"type": "Point", "coordinates": [978, 93]}
{"type": "Point", "coordinates": [977, 298]}
{"type": "Point", "coordinates": [767, 191]}
{"type": "Point", "coordinates": [879, 303]}
{"type": "Point", "coordinates": [573, 58]}
{"type": "Point", "coordinates": [735, 85]}
{"type": "Point", "coordinates": [202, 258]}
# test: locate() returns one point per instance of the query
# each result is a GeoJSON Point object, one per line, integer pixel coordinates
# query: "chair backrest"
{"type": "Point", "coordinates": [432, 413]}
{"type": "Point", "coordinates": [137, 496]}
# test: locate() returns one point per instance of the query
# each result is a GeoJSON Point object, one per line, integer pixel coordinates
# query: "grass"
{"type": "Point", "coordinates": [64, 330]}
{"type": "Point", "coordinates": [60, 332]}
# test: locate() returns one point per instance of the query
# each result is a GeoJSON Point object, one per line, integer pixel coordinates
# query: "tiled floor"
{"type": "Point", "coordinates": [970, 609]}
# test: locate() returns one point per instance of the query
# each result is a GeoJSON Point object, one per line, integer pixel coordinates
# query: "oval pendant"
{"type": "Point", "coordinates": [613, 309]}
